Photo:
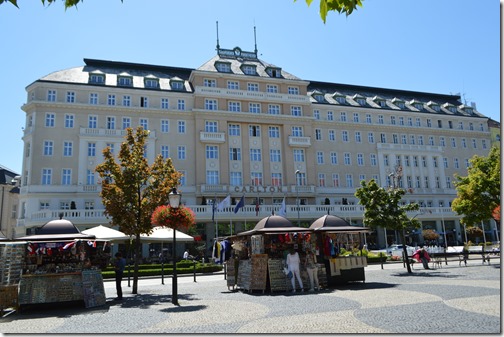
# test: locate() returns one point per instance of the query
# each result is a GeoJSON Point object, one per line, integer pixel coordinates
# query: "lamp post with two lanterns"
{"type": "Point", "coordinates": [174, 198]}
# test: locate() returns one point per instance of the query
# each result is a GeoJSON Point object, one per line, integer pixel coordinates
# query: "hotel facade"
{"type": "Point", "coordinates": [240, 126]}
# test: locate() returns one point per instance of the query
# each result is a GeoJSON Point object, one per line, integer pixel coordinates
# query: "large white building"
{"type": "Point", "coordinates": [238, 125]}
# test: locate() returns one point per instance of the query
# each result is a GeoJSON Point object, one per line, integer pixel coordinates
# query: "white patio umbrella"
{"type": "Point", "coordinates": [106, 233]}
{"type": "Point", "coordinates": [160, 234]}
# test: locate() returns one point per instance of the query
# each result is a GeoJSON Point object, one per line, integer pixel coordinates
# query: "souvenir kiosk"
{"type": "Point", "coordinates": [61, 264]}
{"type": "Point", "coordinates": [258, 256]}
{"type": "Point", "coordinates": [333, 234]}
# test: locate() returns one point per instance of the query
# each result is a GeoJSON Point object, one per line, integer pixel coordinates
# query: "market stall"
{"type": "Point", "coordinates": [61, 264]}
{"type": "Point", "coordinates": [335, 235]}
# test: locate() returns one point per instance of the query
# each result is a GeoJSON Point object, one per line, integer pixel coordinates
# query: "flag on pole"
{"type": "Point", "coordinates": [240, 204]}
{"type": "Point", "coordinates": [283, 210]}
{"type": "Point", "coordinates": [224, 203]}
{"type": "Point", "coordinates": [257, 206]}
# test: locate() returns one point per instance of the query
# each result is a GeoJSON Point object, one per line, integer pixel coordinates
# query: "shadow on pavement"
{"type": "Point", "coordinates": [428, 273]}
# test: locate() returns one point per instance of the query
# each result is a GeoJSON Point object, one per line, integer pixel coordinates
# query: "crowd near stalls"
{"type": "Point", "coordinates": [58, 264]}
{"type": "Point", "coordinates": [258, 256]}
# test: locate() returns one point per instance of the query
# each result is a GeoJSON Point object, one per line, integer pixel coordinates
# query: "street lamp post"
{"type": "Point", "coordinates": [174, 198]}
{"type": "Point", "coordinates": [297, 197]}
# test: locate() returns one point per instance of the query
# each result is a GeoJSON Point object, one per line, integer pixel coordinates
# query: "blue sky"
{"type": "Point", "coordinates": [447, 47]}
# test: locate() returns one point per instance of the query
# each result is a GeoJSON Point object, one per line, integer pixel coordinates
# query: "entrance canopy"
{"type": "Point", "coordinates": [160, 234]}
{"type": "Point", "coordinates": [106, 233]}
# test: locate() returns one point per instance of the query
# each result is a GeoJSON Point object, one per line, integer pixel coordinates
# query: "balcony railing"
{"type": "Point", "coordinates": [212, 137]}
{"type": "Point", "coordinates": [299, 141]}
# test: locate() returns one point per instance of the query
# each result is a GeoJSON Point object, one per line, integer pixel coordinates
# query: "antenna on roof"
{"type": "Point", "coordinates": [217, 24]}
{"type": "Point", "coordinates": [255, 40]}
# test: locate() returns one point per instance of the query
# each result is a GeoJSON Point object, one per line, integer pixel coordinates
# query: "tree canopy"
{"type": "Point", "coordinates": [131, 189]}
{"type": "Point", "coordinates": [478, 193]}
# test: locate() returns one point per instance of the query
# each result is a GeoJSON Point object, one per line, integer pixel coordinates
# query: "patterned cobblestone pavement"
{"type": "Point", "coordinates": [450, 299]}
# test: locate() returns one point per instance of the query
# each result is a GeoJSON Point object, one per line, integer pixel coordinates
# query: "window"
{"type": "Point", "coordinates": [293, 90]}
{"type": "Point", "coordinates": [380, 119]}
{"type": "Point", "coordinates": [442, 141]}
{"type": "Point", "coordinates": [252, 87]}
{"type": "Point", "coordinates": [50, 120]}
{"type": "Point", "coordinates": [372, 159]}
{"type": "Point", "coordinates": [255, 155]}
{"type": "Point", "coordinates": [223, 67]}
{"type": "Point", "coordinates": [272, 88]}
{"type": "Point", "coordinates": [434, 162]}
{"type": "Point", "coordinates": [318, 134]}
{"type": "Point", "coordinates": [474, 145]}
{"type": "Point", "coordinates": [383, 138]}
{"type": "Point", "coordinates": [126, 123]}
{"type": "Point", "coordinates": [165, 151]}
{"type": "Point", "coordinates": [341, 99]}
{"type": "Point", "coordinates": [481, 127]}
{"type": "Point", "coordinates": [165, 103]}
{"type": "Point", "coordinates": [44, 205]}
{"type": "Point", "coordinates": [235, 178]}
{"type": "Point", "coordinates": [90, 177]}
{"type": "Point", "coordinates": [445, 162]}
{"type": "Point", "coordinates": [181, 126]}
{"type": "Point", "coordinates": [274, 132]}
{"type": "Point", "coordinates": [152, 83]}
{"type": "Point", "coordinates": [111, 99]}
{"type": "Point", "coordinates": [211, 126]}
{"type": "Point", "coordinates": [330, 116]}
{"type": "Point", "coordinates": [418, 121]}
{"type": "Point", "coordinates": [67, 149]}
{"type": "Point", "coordinates": [426, 182]}
{"type": "Point", "coordinates": [296, 111]}
{"type": "Point", "coordinates": [92, 122]}
{"type": "Point", "coordinates": [51, 95]}
{"type": "Point", "coordinates": [368, 119]}
{"type": "Point", "coordinates": [463, 143]}
{"type": "Point", "coordinates": [165, 125]}
{"type": "Point", "coordinates": [431, 140]}
{"type": "Point", "coordinates": [349, 180]}
{"type": "Point", "coordinates": [450, 125]}
{"type": "Point", "coordinates": [46, 176]}
{"type": "Point", "coordinates": [429, 123]}
{"type": "Point", "coordinates": [48, 148]}
{"type": "Point", "coordinates": [234, 106]}
{"type": "Point", "coordinates": [297, 131]}
{"type": "Point", "coordinates": [89, 205]}
{"type": "Point", "coordinates": [415, 161]}
{"type": "Point", "coordinates": [91, 149]}
{"type": "Point", "coordinates": [181, 152]}
{"type": "Point", "coordinates": [321, 179]}
{"type": "Point", "coordinates": [320, 157]}
{"type": "Point", "coordinates": [93, 98]}
{"type": "Point", "coordinates": [471, 126]}
{"type": "Point", "coordinates": [347, 158]}
{"type": "Point", "coordinates": [370, 137]}
{"type": "Point", "coordinates": [144, 123]}
{"type": "Point", "coordinates": [456, 163]}
{"type": "Point", "coordinates": [360, 159]}
{"type": "Point", "coordinates": [126, 100]}
{"type": "Point", "coordinates": [144, 102]}
{"type": "Point", "coordinates": [254, 131]}
{"type": "Point", "coordinates": [386, 159]}
{"type": "Point", "coordinates": [124, 81]}
{"type": "Point", "coordinates": [453, 142]}
{"type": "Point", "coordinates": [412, 139]}
{"type": "Point", "coordinates": [392, 120]}
{"type": "Point", "coordinates": [234, 129]}
{"type": "Point", "coordinates": [356, 117]}
{"type": "Point", "coordinates": [255, 108]}
{"type": "Point", "coordinates": [395, 139]}
{"type": "Point", "coordinates": [410, 121]}
{"type": "Point", "coordinates": [212, 152]}
{"type": "Point", "coordinates": [69, 121]}
{"type": "Point", "coordinates": [211, 104]}
{"type": "Point", "coordinates": [273, 109]}
{"type": "Point", "coordinates": [344, 136]}
{"type": "Point", "coordinates": [249, 70]}
{"type": "Point", "coordinates": [111, 146]}
{"type": "Point", "coordinates": [257, 179]}
{"type": "Point", "coordinates": [335, 179]}
{"type": "Point", "coordinates": [409, 182]}
{"type": "Point", "coordinates": [417, 182]}
{"type": "Point", "coordinates": [316, 114]}
{"type": "Point", "coordinates": [332, 135]}
{"type": "Point", "coordinates": [233, 85]}
{"type": "Point", "coordinates": [358, 138]}
{"type": "Point", "coordinates": [424, 161]}
{"type": "Point", "coordinates": [334, 158]}
{"type": "Point", "coordinates": [276, 179]}
{"type": "Point", "coordinates": [181, 104]}
{"type": "Point", "coordinates": [448, 182]}
{"type": "Point", "coordinates": [343, 117]}
{"type": "Point", "coordinates": [70, 97]}
{"type": "Point", "coordinates": [275, 155]}
{"type": "Point", "coordinates": [438, 185]}
{"type": "Point", "coordinates": [467, 164]}
{"type": "Point", "coordinates": [177, 85]}
{"type": "Point", "coordinates": [209, 83]}
{"type": "Point", "coordinates": [298, 155]}
{"type": "Point", "coordinates": [110, 123]}
{"type": "Point", "coordinates": [483, 144]}
{"type": "Point", "coordinates": [212, 177]}
{"type": "Point", "coordinates": [234, 153]}
{"type": "Point", "coordinates": [420, 140]}
{"type": "Point", "coordinates": [404, 139]}
{"type": "Point", "coordinates": [440, 124]}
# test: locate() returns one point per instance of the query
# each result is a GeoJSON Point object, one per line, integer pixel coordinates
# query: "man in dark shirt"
{"type": "Point", "coordinates": [120, 264]}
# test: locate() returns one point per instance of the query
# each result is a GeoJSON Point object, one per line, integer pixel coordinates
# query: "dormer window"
{"type": "Point", "coordinates": [361, 100]}
{"type": "Point", "coordinates": [177, 85]}
{"type": "Point", "coordinates": [398, 102]}
{"type": "Point", "coordinates": [450, 107]}
{"type": "Point", "coordinates": [124, 81]}
{"type": "Point", "coordinates": [341, 99]}
{"type": "Point", "coordinates": [249, 69]}
{"type": "Point", "coordinates": [319, 98]}
{"type": "Point", "coordinates": [380, 101]}
{"type": "Point", "coordinates": [223, 67]}
{"type": "Point", "coordinates": [152, 83]}
{"type": "Point", "coordinates": [469, 110]}
{"type": "Point", "coordinates": [97, 78]}
{"type": "Point", "coordinates": [274, 72]}
{"type": "Point", "coordinates": [418, 105]}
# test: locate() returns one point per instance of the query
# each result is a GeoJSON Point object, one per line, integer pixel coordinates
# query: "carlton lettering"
{"type": "Point", "coordinates": [258, 189]}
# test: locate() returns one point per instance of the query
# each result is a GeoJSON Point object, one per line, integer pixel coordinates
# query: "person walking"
{"type": "Point", "coordinates": [311, 268]}
{"type": "Point", "coordinates": [120, 264]}
{"type": "Point", "coordinates": [293, 266]}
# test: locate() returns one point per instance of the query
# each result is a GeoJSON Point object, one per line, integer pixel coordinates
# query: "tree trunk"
{"type": "Point", "coordinates": [138, 245]}
{"type": "Point", "coordinates": [405, 252]}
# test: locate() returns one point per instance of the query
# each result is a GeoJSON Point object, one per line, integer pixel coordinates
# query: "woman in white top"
{"type": "Point", "coordinates": [293, 266]}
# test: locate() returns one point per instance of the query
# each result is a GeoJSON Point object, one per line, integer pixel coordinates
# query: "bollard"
{"type": "Point", "coordinates": [194, 270]}
{"type": "Point", "coordinates": [381, 259]}
{"type": "Point", "coordinates": [225, 270]}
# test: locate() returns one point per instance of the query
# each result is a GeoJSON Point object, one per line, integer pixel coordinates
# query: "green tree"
{"type": "Point", "coordinates": [131, 189]}
{"type": "Point", "coordinates": [326, 6]}
{"type": "Point", "coordinates": [478, 193]}
{"type": "Point", "coordinates": [382, 208]}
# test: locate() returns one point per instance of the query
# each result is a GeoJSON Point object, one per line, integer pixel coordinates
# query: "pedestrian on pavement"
{"type": "Point", "coordinates": [293, 266]}
{"type": "Point", "coordinates": [186, 255]}
{"type": "Point", "coordinates": [421, 255]}
{"type": "Point", "coordinates": [311, 268]}
{"type": "Point", "coordinates": [120, 264]}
